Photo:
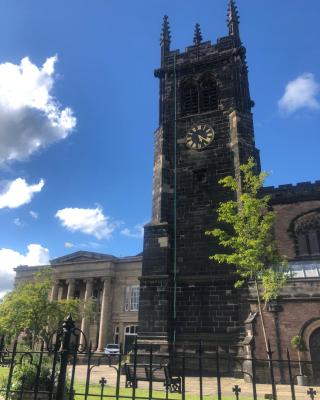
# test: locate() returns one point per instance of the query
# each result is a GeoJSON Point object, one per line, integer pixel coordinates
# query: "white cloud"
{"type": "Point", "coordinates": [30, 117]}
{"type": "Point", "coordinates": [300, 93]}
{"type": "Point", "coordinates": [91, 221]}
{"type": "Point", "coordinates": [18, 222]}
{"type": "Point", "coordinates": [18, 192]}
{"type": "Point", "coordinates": [136, 232]}
{"type": "Point", "coordinates": [89, 245]}
{"type": "Point", "coordinates": [9, 259]}
{"type": "Point", "coordinates": [34, 214]}
{"type": "Point", "coordinates": [68, 245]}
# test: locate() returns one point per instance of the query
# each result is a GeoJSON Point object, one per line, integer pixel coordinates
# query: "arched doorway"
{"type": "Point", "coordinates": [314, 345]}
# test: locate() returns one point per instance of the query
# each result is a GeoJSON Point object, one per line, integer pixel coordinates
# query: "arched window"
{"type": "Point", "coordinates": [116, 335]}
{"type": "Point", "coordinates": [208, 95]}
{"type": "Point", "coordinates": [190, 98]}
{"type": "Point", "coordinates": [307, 233]}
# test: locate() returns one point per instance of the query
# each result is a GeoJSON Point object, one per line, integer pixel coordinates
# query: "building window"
{"type": "Point", "coordinates": [304, 269]}
{"type": "Point", "coordinates": [309, 243]}
{"type": "Point", "coordinates": [131, 330]}
{"type": "Point", "coordinates": [132, 298]}
{"type": "Point", "coordinates": [307, 234]}
{"type": "Point", "coordinates": [116, 335]}
{"type": "Point", "coordinates": [130, 334]}
{"type": "Point", "coordinates": [208, 95]}
{"type": "Point", "coordinates": [190, 98]}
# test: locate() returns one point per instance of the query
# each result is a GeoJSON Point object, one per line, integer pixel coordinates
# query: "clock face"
{"type": "Point", "coordinates": [199, 137]}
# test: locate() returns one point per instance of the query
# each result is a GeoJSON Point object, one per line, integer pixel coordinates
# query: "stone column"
{"type": "Point", "coordinates": [71, 288]}
{"type": "Point", "coordinates": [121, 335]}
{"type": "Point", "coordinates": [54, 291]}
{"type": "Point", "coordinates": [85, 324]}
{"type": "Point", "coordinates": [105, 314]}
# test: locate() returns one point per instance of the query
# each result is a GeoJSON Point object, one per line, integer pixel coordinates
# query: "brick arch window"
{"type": "Point", "coordinates": [189, 98]}
{"type": "Point", "coordinates": [307, 234]}
{"type": "Point", "coordinates": [208, 94]}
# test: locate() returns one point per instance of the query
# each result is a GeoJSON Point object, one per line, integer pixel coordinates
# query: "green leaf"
{"type": "Point", "coordinates": [246, 233]}
{"type": "Point", "coordinates": [27, 308]}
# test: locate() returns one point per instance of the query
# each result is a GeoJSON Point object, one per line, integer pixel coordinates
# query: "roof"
{"type": "Point", "coordinates": [83, 256]}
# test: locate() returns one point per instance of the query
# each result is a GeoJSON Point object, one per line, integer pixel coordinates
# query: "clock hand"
{"type": "Point", "coordinates": [203, 138]}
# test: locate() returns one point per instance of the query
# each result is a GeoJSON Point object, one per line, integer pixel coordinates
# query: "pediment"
{"type": "Point", "coordinates": [82, 256]}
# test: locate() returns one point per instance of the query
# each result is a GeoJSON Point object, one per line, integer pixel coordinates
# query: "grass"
{"type": "Point", "coordinates": [95, 391]}
{"type": "Point", "coordinates": [4, 372]}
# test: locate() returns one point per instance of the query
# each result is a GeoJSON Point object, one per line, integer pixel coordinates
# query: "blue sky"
{"type": "Point", "coordinates": [77, 119]}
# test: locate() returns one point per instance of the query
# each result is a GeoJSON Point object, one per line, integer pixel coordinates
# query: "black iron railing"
{"type": "Point", "coordinates": [62, 369]}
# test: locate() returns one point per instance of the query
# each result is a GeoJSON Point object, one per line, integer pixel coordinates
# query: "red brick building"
{"type": "Point", "coordinates": [297, 311]}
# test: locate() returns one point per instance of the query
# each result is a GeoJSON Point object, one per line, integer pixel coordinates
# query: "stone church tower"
{"type": "Point", "coordinates": [205, 133]}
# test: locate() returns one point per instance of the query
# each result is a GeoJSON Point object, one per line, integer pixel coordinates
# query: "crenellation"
{"type": "Point", "coordinates": [302, 191]}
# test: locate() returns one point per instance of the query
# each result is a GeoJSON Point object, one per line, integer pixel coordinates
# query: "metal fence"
{"type": "Point", "coordinates": [52, 373]}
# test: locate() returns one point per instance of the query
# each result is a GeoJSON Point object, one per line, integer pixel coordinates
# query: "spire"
{"type": "Point", "coordinates": [165, 38]}
{"type": "Point", "coordinates": [197, 38]}
{"type": "Point", "coordinates": [233, 19]}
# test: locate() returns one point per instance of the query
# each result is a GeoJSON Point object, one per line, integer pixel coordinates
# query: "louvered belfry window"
{"type": "Point", "coordinates": [209, 96]}
{"type": "Point", "coordinates": [190, 98]}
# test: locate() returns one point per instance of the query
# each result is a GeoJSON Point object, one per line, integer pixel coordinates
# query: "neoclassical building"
{"type": "Point", "coordinates": [112, 284]}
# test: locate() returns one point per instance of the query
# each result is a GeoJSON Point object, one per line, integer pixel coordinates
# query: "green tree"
{"type": "Point", "coordinates": [28, 309]}
{"type": "Point", "coordinates": [248, 238]}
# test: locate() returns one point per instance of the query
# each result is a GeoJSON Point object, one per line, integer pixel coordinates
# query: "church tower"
{"type": "Point", "coordinates": [205, 133]}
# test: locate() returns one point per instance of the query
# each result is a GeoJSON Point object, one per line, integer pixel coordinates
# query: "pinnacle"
{"type": "Point", "coordinates": [197, 39]}
{"type": "Point", "coordinates": [233, 12]}
{"type": "Point", "coordinates": [165, 32]}
{"type": "Point", "coordinates": [233, 19]}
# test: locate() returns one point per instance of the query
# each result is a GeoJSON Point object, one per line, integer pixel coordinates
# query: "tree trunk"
{"type": "Point", "coordinates": [261, 314]}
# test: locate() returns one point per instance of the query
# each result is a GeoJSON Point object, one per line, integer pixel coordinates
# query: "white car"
{"type": "Point", "coordinates": [112, 349]}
